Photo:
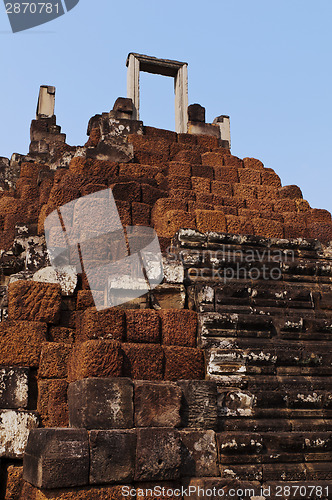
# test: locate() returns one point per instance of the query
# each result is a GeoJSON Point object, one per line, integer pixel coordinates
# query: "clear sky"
{"type": "Point", "coordinates": [266, 63]}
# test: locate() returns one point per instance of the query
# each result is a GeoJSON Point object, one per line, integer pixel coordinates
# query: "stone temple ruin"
{"type": "Point", "coordinates": [217, 378]}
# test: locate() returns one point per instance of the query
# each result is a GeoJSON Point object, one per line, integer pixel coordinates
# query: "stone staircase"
{"type": "Point", "coordinates": [267, 346]}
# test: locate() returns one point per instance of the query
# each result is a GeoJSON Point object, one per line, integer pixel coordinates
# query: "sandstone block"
{"type": "Point", "coordinates": [261, 205]}
{"type": "Point", "coordinates": [140, 214]}
{"type": "Point", "coordinates": [226, 174]}
{"type": "Point", "coordinates": [234, 202]}
{"type": "Point", "coordinates": [95, 358]}
{"type": "Point", "coordinates": [112, 456]}
{"type": "Point", "coordinates": [163, 205]}
{"type": "Point", "coordinates": [60, 195]}
{"type": "Point", "coordinates": [57, 458]}
{"type": "Point", "coordinates": [200, 184]}
{"type": "Point", "coordinates": [318, 215]}
{"type": "Point", "coordinates": [143, 361]}
{"type": "Point", "coordinates": [249, 176]}
{"type": "Point", "coordinates": [124, 209]}
{"type": "Point", "coordinates": [52, 404]}
{"type": "Point", "coordinates": [14, 430]}
{"type": "Point", "coordinates": [199, 453]}
{"type": "Point", "coordinates": [245, 190]}
{"type": "Point", "coordinates": [142, 326]}
{"type": "Point", "coordinates": [270, 178]}
{"type": "Point", "coordinates": [14, 482]}
{"type": "Point", "coordinates": [84, 300]}
{"type": "Point", "coordinates": [238, 225]}
{"type": "Point", "coordinates": [199, 404]}
{"type": "Point", "coordinates": [267, 192]}
{"type": "Point", "coordinates": [302, 205]}
{"type": "Point", "coordinates": [253, 163]}
{"type": "Point", "coordinates": [291, 192]}
{"type": "Point", "coordinates": [158, 454]}
{"type": "Point", "coordinates": [206, 198]}
{"type": "Point", "coordinates": [294, 231]}
{"type": "Point", "coordinates": [232, 161]}
{"type": "Point", "coordinates": [321, 231]}
{"type": "Point", "coordinates": [196, 113]}
{"type": "Point", "coordinates": [187, 139]}
{"type": "Point", "coordinates": [173, 270]}
{"type": "Point", "coordinates": [32, 301]}
{"type": "Point", "coordinates": [268, 228]}
{"type": "Point", "coordinates": [54, 360]}
{"type": "Point", "coordinates": [21, 342]}
{"type": "Point", "coordinates": [126, 191]}
{"type": "Point", "coordinates": [170, 296]}
{"type": "Point", "coordinates": [319, 471]}
{"type": "Point", "coordinates": [151, 194]}
{"type": "Point", "coordinates": [157, 404]}
{"type": "Point", "coordinates": [14, 387]}
{"type": "Point", "coordinates": [185, 155]}
{"type": "Point", "coordinates": [182, 194]}
{"type": "Point", "coordinates": [240, 447]}
{"type": "Point", "coordinates": [107, 324]}
{"type": "Point", "coordinates": [284, 472]}
{"type": "Point", "coordinates": [208, 141]}
{"type": "Point", "coordinates": [179, 327]}
{"type": "Point", "coordinates": [183, 363]}
{"type": "Point", "coordinates": [172, 221]}
{"type": "Point", "coordinates": [175, 182]}
{"type": "Point", "coordinates": [97, 403]}
{"type": "Point", "coordinates": [221, 188]}
{"type": "Point", "coordinates": [179, 169]}
{"type": "Point", "coordinates": [212, 159]}
{"type": "Point", "coordinates": [138, 171]}
{"type": "Point", "coordinates": [66, 277]}
{"type": "Point", "coordinates": [284, 205]}
{"type": "Point", "coordinates": [61, 334]}
{"type": "Point", "coordinates": [202, 171]}
{"type": "Point", "coordinates": [210, 220]}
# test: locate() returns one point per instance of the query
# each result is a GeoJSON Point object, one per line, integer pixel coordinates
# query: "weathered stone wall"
{"type": "Point", "coordinates": [218, 377]}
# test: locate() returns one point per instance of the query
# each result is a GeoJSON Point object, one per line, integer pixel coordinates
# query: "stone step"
{"type": "Point", "coordinates": [275, 425]}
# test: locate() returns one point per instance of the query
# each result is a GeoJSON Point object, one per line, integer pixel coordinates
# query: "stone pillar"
{"type": "Point", "coordinates": [181, 100]}
{"type": "Point", "coordinates": [46, 102]}
{"type": "Point", "coordinates": [225, 128]}
{"type": "Point", "coordinates": [133, 83]}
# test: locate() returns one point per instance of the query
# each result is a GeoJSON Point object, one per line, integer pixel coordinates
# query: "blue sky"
{"type": "Point", "coordinates": [266, 63]}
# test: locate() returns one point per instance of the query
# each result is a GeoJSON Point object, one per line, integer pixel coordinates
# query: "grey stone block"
{"type": "Point", "coordinates": [57, 458]}
{"type": "Point", "coordinates": [199, 404]}
{"type": "Point", "coordinates": [199, 453]}
{"type": "Point", "coordinates": [157, 404]}
{"type": "Point", "coordinates": [158, 454]}
{"type": "Point", "coordinates": [14, 431]}
{"type": "Point", "coordinates": [112, 456]}
{"type": "Point", "coordinates": [13, 387]}
{"type": "Point", "coordinates": [101, 403]}
{"type": "Point", "coordinates": [196, 113]}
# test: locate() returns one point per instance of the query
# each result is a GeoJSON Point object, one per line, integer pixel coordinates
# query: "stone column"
{"type": "Point", "coordinates": [133, 84]}
{"type": "Point", "coordinates": [181, 100]}
{"type": "Point", "coordinates": [46, 102]}
{"type": "Point", "coordinates": [225, 128]}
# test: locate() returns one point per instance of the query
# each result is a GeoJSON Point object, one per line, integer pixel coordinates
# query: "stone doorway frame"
{"type": "Point", "coordinates": [176, 69]}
